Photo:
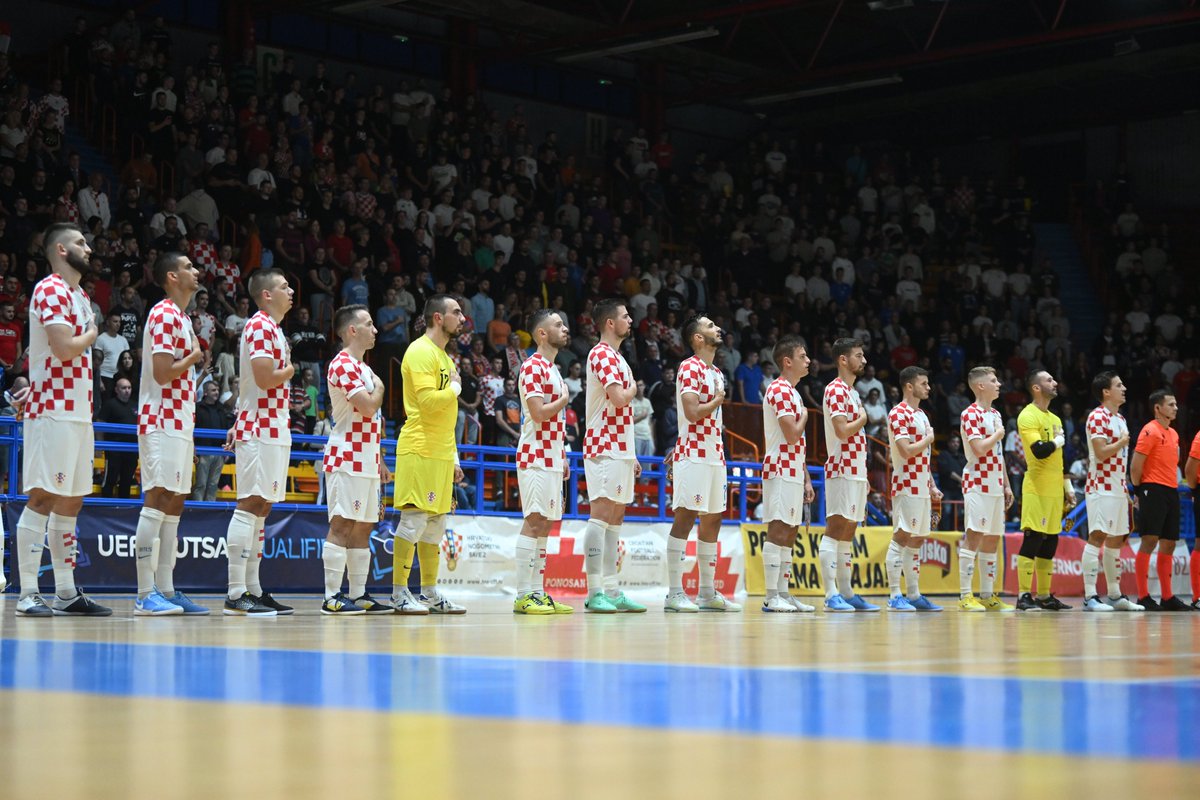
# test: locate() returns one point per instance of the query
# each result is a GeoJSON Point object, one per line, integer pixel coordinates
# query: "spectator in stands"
{"type": "Point", "coordinates": [120, 409]}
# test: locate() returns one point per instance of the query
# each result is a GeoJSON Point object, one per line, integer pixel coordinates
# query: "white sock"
{"type": "Point", "coordinates": [593, 560]}
{"type": "Point", "coordinates": [254, 563]}
{"type": "Point", "coordinates": [237, 543]}
{"type": "Point", "coordinates": [527, 547]}
{"type": "Point", "coordinates": [334, 558]}
{"type": "Point", "coordinates": [772, 555]}
{"type": "Point", "coordinates": [706, 559]}
{"type": "Point", "coordinates": [987, 575]}
{"type": "Point", "coordinates": [149, 522]}
{"type": "Point", "coordinates": [168, 544]}
{"type": "Point", "coordinates": [912, 571]}
{"type": "Point", "coordinates": [845, 552]}
{"type": "Point", "coordinates": [1091, 569]}
{"type": "Point", "coordinates": [612, 541]}
{"type": "Point", "coordinates": [1112, 571]}
{"type": "Point", "coordinates": [358, 564]}
{"type": "Point", "coordinates": [827, 554]}
{"type": "Point", "coordinates": [60, 531]}
{"type": "Point", "coordinates": [785, 569]}
{"type": "Point", "coordinates": [539, 573]}
{"type": "Point", "coordinates": [31, 538]}
{"type": "Point", "coordinates": [675, 548]}
{"type": "Point", "coordinates": [894, 561]}
{"type": "Point", "coordinates": [966, 571]}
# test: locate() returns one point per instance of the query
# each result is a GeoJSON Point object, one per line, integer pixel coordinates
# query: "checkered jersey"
{"type": "Point", "coordinates": [542, 444]}
{"type": "Point", "coordinates": [783, 460]}
{"type": "Point", "coordinates": [231, 274]}
{"type": "Point", "coordinates": [491, 388]}
{"type": "Point", "coordinates": [910, 476]}
{"type": "Point", "coordinates": [58, 389]}
{"type": "Point", "coordinates": [984, 474]}
{"type": "Point", "coordinates": [170, 408]}
{"type": "Point", "coordinates": [1107, 476]}
{"type": "Point", "coordinates": [699, 441]}
{"type": "Point", "coordinates": [204, 255]}
{"type": "Point", "coordinates": [353, 445]}
{"type": "Point", "coordinates": [846, 459]}
{"type": "Point", "coordinates": [609, 429]}
{"type": "Point", "coordinates": [262, 414]}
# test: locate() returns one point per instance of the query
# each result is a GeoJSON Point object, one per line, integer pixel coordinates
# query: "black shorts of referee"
{"type": "Point", "coordinates": [1158, 511]}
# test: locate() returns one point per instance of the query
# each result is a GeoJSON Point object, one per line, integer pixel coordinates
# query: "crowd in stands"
{"type": "Point", "coordinates": [384, 195]}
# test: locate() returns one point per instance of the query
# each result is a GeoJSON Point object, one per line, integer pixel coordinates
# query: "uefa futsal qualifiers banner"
{"type": "Point", "coordinates": [478, 553]}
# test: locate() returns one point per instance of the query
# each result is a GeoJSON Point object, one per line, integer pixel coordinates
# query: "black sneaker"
{"type": "Point", "coordinates": [1149, 603]}
{"type": "Point", "coordinates": [1026, 603]}
{"type": "Point", "coordinates": [341, 606]}
{"type": "Point", "coordinates": [78, 606]}
{"type": "Point", "coordinates": [1175, 604]}
{"type": "Point", "coordinates": [373, 606]}
{"type": "Point", "coordinates": [246, 606]}
{"type": "Point", "coordinates": [270, 602]}
{"type": "Point", "coordinates": [1052, 603]}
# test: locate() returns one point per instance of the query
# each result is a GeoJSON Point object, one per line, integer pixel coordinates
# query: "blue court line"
{"type": "Point", "coordinates": [1069, 717]}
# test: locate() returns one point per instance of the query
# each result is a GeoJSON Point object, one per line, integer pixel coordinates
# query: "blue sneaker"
{"type": "Point", "coordinates": [155, 605]}
{"type": "Point", "coordinates": [858, 604]}
{"type": "Point", "coordinates": [899, 603]}
{"type": "Point", "coordinates": [837, 605]}
{"type": "Point", "coordinates": [922, 604]}
{"type": "Point", "coordinates": [191, 609]}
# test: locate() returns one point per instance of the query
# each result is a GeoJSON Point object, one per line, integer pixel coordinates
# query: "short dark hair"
{"type": "Point", "coordinates": [1159, 396]}
{"type": "Point", "coordinates": [1032, 377]}
{"type": "Point", "coordinates": [1102, 382]}
{"type": "Point", "coordinates": [605, 310]}
{"type": "Point", "coordinates": [911, 374]}
{"type": "Point", "coordinates": [165, 264]}
{"type": "Point", "coordinates": [846, 345]}
{"type": "Point", "coordinates": [436, 305]}
{"type": "Point", "coordinates": [787, 347]}
{"type": "Point", "coordinates": [344, 316]}
{"type": "Point", "coordinates": [690, 328]}
{"type": "Point", "coordinates": [260, 279]}
{"type": "Point", "coordinates": [538, 318]}
{"type": "Point", "coordinates": [55, 233]}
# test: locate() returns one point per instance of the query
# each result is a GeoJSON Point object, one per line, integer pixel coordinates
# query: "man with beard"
{"type": "Point", "coordinates": [426, 457]}
{"type": "Point", "coordinates": [59, 440]}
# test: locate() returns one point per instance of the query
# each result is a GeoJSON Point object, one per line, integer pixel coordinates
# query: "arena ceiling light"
{"type": "Point", "coordinates": [645, 44]}
{"type": "Point", "coordinates": [817, 91]}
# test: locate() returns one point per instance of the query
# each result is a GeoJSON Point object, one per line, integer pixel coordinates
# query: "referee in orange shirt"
{"type": "Point", "coordinates": [1154, 474]}
{"type": "Point", "coordinates": [1191, 473]}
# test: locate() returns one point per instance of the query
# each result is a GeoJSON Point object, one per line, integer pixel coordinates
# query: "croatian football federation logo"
{"type": "Point", "coordinates": [178, 476]}
{"type": "Point", "coordinates": [452, 547]}
{"type": "Point", "coordinates": [552, 502]}
{"type": "Point", "coordinates": [697, 498]}
{"type": "Point", "coordinates": [431, 497]}
{"type": "Point", "coordinates": [620, 554]}
{"type": "Point", "coordinates": [275, 486]}
{"type": "Point", "coordinates": [618, 488]}
{"type": "Point", "coordinates": [357, 505]}
{"type": "Point", "coordinates": [59, 477]}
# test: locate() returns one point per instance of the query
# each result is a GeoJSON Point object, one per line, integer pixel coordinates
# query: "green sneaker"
{"type": "Point", "coordinates": [623, 603]}
{"type": "Point", "coordinates": [599, 603]}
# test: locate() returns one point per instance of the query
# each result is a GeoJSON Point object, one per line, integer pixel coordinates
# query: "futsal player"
{"type": "Point", "coordinates": [910, 439]}
{"type": "Point", "coordinates": [261, 440]}
{"type": "Point", "coordinates": [427, 458]}
{"type": "Point", "coordinates": [1190, 472]}
{"type": "Point", "coordinates": [1154, 472]}
{"type": "Point", "coordinates": [59, 440]}
{"type": "Point", "coordinates": [1046, 490]}
{"type": "Point", "coordinates": [986, 493]}
{"type": "Point", "coordinates": [845, 477]}
{"type": "Point", "coordinates": [166, 421]}
{"type": "Point", "coordinates": [787, 487]}
{"type": "Point", "coordinates": [610, 464]}
{"type": "Point", "coordinates": [353, 464]}
{"type": "Point", "coordinates": [698, 463]}
{"type": "Point", "coordinates": [1106, 496]}
{"type": "Point", "coordinates": [541, 460]}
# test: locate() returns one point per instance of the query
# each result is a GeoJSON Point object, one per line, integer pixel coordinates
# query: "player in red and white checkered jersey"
{"type": "Point", "coordinates": [845, 477]}
{"type": "Point", "coordinates": [202, 252]}
{"type": "Point", "coordinates": [261, 440]}
{"type": "Point", "coordinates": [59, 441]}
{"type": "Point", "coordinates": [986, 493]}
{"type": "Point", "coordinates": [354, 467]}
{"type": "Point", "coordinates": [166, 421]}
{"type": "Point", "coordinates": [610, 464]}
{"type": "Point", "coordinates": [910, 439]}
{"type": "Point", "coordinates": [1107, 495]}
{"type": "Point", "coordinates": [541, 460]}
{"type": "Point", "coordinates": [698, 465]}
{"type": "Point", "coordinates": [226, 270]}
{"type": "Point", "coordinates": [787, 487]}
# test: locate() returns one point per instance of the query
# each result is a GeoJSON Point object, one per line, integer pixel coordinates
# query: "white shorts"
{"type": "Point", "coordinates": [699, 487]}
{"type": "Point", "coordinates": [610, 478]}
{"type": "Point", "coordinates": [542, 492]}
{"type": "Point", "coordinates": [261, 470]}
{"type": "Point", "coordinates": [984, 512]}
{"type": "Point", "coordinates": [354, 497]}
{"type": "Point", "coordinates": [1108, 513]}
{"type": "Point", "coordinates": [783, 501]}
{"type": "Point", "coordinates": [166, 462]}
{"type": "Point", "coordinates": [846, 498]}
{"type": "Point", "coordinates": [58, 456]}
{"type": "Point", "coordinates": [911, 514]}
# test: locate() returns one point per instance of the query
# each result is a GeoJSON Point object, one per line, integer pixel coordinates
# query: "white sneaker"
{"type": "Point", "coordinates": [778, 604]}
{"type": "Point", "coordinates": [437, 603]}
{"type": "Point", "coordinates": [803, 608]}
{"type": "Point", "coordinates": [32, 605]}
{"type": "Point", "coordinates": [1094, 603]}
{"type": "Point", "coordinates": [1123, 603]}
{"type": "Point", "coordinates": [678, 601]}
{"type": "Point", "coordinates": [404, 603]}
{"type": "Point", "coordinates": [718, 603]}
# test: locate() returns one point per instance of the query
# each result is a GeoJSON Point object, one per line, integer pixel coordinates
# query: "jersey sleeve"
{"type": "Point", "coordinates": [163, 328]}
{"type": "Point", "coordinates": [972, 425]}
{"type": "Point", "coordinates": [429, 380]}
{"type": "Point", "coordinates": [1145, 442]}
{"type": "Point", "coordinates": [838, 403]}
{"type": "Point", "coordinates": [51, 305]}
{"type": "Point", "coordinates": [259, 341]}
{"type": "Point", "coordinates": [533, 379]}
{"type": "Point", "coordinates": [1194, 452]}
{"type": "Point", "coordinates": [783, 403]}
{"type": "Point", "coordinates": [602, 362]}
{"type": "Point", "coordinates": [1029, 430]}
{"type": "Point", "coordinates": [346, 376]}
{"type": "Point", "coordinates": [689, 380]}
{"type": "Point", "coordinates": [1096, 428]}
{"type": "Point", "coordinates": [900, 424]}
